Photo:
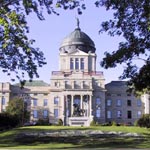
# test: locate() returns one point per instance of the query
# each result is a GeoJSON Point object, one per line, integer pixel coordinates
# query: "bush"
{"type": "Point", "coordinates": [60, 122]}
{"type": "Point", "coordinates": [93, 123]}
{"type": "Point", "coordinates": [114, 123]}
{"type": "Point", "coordinates": [8, 121]}
{"type": "Point", "coordinates": [42, 122]}
{"type": "Point", "coordinates": [144, 121]}
{"type": "Point", "coordinates": [136, 123]}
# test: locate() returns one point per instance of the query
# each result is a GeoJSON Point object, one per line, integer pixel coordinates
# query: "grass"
{"type": "Point", "coordinates": [9, 139]}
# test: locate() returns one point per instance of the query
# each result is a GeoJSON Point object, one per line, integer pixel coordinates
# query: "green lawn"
{"type": "Point", "coordinates": [9, 139]}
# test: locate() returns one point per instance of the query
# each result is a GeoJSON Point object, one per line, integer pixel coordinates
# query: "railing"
{"type": "Point", "coordinates": [57, 73]}
{"type": "Point", "coordinates": [97, 73]}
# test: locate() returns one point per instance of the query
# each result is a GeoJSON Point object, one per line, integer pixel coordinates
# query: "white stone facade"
{"type": "Point", "coordinates": [77, 93]}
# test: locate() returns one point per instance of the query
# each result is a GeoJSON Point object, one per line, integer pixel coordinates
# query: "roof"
{"type": "Point", "coordinates": [35, 83]}
{"type": "Point", "coordinates": [78, 38]}
{"type": "Point", "coordinates": [117, 83]}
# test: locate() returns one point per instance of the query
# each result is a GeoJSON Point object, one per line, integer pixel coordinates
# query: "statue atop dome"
{"type": "Point", "coordinates": [78, 23]}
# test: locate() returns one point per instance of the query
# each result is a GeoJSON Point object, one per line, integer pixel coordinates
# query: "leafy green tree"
{"type": "Point", "coordinates": [132, 21]}
{"type": "Point", "coordinates": [144, 121]}
{"type": "Point", "coordinates": [17, 107]}
{"type": "Point", "coordinates": [17, 53]}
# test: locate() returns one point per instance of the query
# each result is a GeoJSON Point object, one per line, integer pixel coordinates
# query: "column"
{"type": "Point", "coordinates": [74, 65]}
{"type": "Point", "coordinates": [88, 102]}
{"type": "Point", "coordinates": [64, 97]}
{"type": "Point", "coordinates": [72, 84]}
{"type": "Point", "coordinates": [72, 98]}
{"type": "Point", "coordinates": [81, 101]}
{"type": "Point", "coordinates": [90, 105]}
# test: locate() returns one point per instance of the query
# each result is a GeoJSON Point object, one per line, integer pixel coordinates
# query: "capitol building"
{"type": "Point", "coordinates": [77, 93]}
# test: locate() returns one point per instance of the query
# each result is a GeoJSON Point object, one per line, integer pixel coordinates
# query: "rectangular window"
{"type": "Point", "coordinates": [84, 84]}
{"type": "Point", "coordinates": [118, 102]}
{"type": "Point", "coordinates": [108, 102]}
{"type": "Point", "coordinates": [35, 114]}
{"type": "Point", "coordinates": [82, 63]}
{"type": "Point", "coordinates": [128, 102]}
{"type": "Point", "coordinates": [139, 113]}
{"type": "Point", "coordinates": [45, 113]}
{"type": "Point", "coordinates": [129, 114]}
{"type": "Point", "coordinates": [139, 103]}
{"type": "Point", "coordinates": [3, 101]}
{"type": "Point", "coordinates": [75, 84]}
{"type": "Point", "coordinates": [98, 101]}
{"type": "Point", "coordinates": [76, 63]}
{"type": "Point", "coordinates": [119, 114]}
{"type": "Point", "coordinates": [98, 113]}
{"type": "Point", "coordinates": [108, 114]}
{"type": "Point", "coordinates": [56, 113]}
{"type": "Point", "coordinates": [71, 64]}
{"type": "Point", "coordinates": [56, 100]}
{"type": "Point", "coordinates": [77, 101]}
{"type": "Point", "coordinates": [56, 84]}
{"type": "Point", "coordinates": [45, 102]}
{"type": "Point", "coordinates": [66, 84]}
{"type": "Point", "coordinates": [34, 102]}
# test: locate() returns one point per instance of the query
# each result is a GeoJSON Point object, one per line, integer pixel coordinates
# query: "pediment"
{"type": "Point", "coordinates": [78, 52]}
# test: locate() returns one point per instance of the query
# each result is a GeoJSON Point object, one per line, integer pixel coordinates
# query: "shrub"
{"type": "Point", "coordinates": [43, 122]}
{"type": "Point", "coordinates": [114, 123]}
{"type": "Point", "coordinates": [136, 123]}
{"type": "Point", "coordinates": [93, 123]}
{"type": "Point", "coordinates": [144, 121]}
{"type": "Point", "coordinates": [60, 122]}
{"type": "Point", "coordinates": [8, 121]}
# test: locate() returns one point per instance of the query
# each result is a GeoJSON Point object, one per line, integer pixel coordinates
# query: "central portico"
{"type": "Point", "coordinates": [77, 87]}
{"type": "Point", "coordinates": [78, 109]}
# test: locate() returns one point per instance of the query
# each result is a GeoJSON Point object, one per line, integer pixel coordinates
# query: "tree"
{"type": "Point", "coordinates": [17, 53]}
{"type": "Point", "coordinates": [144, 121]}
{"type": "Point", "coordinates": [132, 21]}
{"type": "Point", "coordinates": [17, 107]}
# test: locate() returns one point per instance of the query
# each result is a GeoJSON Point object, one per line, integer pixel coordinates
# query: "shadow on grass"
{"type": "Point", "coordinates": [85, 142]}
{"type": "Point", "coordinates": [11, 139]}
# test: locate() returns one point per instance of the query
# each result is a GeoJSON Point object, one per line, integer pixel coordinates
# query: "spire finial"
{"type": "Point", "coordinates": [78, 22]}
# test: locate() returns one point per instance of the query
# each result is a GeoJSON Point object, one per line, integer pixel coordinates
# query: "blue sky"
{"type": "Point", "coordinates": [50, 33]}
